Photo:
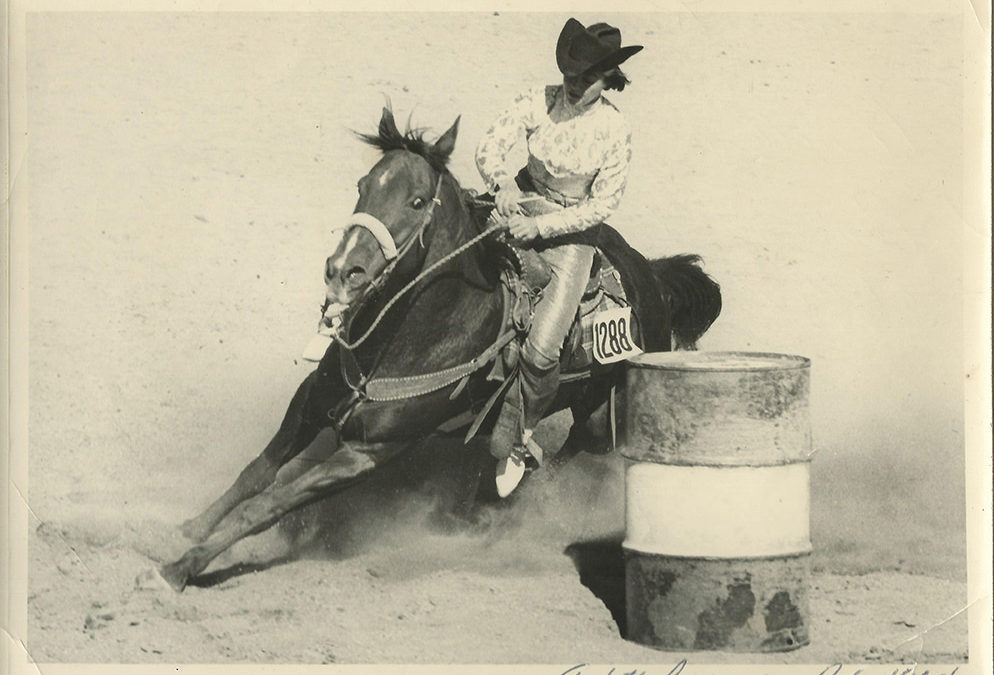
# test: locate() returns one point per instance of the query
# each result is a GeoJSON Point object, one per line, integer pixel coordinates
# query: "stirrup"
{"type": "Point", "coordinates": [531, 448]}
{"type": "Point", "coordinates": [512, 468]}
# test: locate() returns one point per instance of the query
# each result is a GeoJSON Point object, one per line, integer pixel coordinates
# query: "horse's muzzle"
{"type": "Point", "coordinates": [333, 313]}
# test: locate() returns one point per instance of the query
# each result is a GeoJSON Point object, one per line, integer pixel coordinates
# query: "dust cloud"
{"type": "Point", "coordinates": [405, 516]}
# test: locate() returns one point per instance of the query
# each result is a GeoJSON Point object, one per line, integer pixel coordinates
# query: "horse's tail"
{"type": "Point", "coordinates": [694, 297]}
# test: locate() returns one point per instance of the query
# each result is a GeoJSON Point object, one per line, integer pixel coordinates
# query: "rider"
{"type": "Point", "coordinates": [579, 149]}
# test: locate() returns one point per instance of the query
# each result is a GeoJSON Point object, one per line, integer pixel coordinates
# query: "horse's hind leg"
{"type": "Point", "coordinates": [295, 433]}
{"type": "Point", "coordinates": [590, 431]}
{"type": "Point", "coordinates": [258, 513]}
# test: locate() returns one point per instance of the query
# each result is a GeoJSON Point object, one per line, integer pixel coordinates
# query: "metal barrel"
{"type": "Point", "coordinates": [717, 544]}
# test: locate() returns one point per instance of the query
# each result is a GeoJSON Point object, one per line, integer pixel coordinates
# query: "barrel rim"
{"type": "Point", "coordinates": [670, 461]}
{"type": "Point", "coordinates": [806, 553]}
{"type": "Point", "coordinates": [785, 362]}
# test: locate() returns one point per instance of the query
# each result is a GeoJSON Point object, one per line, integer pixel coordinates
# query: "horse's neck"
{"type": "Point", "coordinates": [455, 228]}
{"type": "Point", "coordinates": [454, 313]}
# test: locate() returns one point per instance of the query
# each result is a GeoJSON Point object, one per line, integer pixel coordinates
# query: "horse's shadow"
{"type": "Point", "coordinates": [601, 566]}
{"type": "Point", "coordinates": [219, 576]}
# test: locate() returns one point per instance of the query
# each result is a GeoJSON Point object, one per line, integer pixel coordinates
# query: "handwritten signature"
{"type": "Point", "coordinates": [836, 669]}
{"type": "Point", "coordinates": [576, 670]}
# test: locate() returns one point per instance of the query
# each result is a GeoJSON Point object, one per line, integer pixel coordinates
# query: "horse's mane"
{"type": "Point", "coordinates": [389, 137]}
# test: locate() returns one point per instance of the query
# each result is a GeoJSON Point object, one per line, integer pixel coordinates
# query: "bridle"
{"type": "Point", "coordinates": [391, 252]}
{"type": "Point", "coordinates": [382, 233]}
{"type": "Point", "coordinates": [387, 244]}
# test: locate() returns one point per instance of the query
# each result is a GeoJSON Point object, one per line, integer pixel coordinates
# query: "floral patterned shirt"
{"type": "Point", "coordinates": [596, 144]}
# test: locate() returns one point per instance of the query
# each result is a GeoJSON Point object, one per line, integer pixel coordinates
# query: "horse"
{"type": "Point", "coordinates": [431, 304]}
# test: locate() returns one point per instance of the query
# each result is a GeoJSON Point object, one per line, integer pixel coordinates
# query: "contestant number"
{"type": "Point", "coordinates": [613, 336]}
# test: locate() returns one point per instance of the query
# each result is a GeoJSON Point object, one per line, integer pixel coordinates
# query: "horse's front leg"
{"type": "Point", "coordinates": [348, 464]}
{"type": "Point", "coordinates": [295, 433]}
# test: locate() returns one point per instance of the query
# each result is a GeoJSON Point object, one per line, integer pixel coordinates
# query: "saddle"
{"type": "Point", "coordinates": [525, 274]}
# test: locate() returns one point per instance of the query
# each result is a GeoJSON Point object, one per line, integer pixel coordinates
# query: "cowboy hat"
{"type": "Point", "coordinates": [584, 48]}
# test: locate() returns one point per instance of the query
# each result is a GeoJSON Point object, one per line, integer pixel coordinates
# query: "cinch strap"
{"type": "Point", "coordinates": [376, 228]}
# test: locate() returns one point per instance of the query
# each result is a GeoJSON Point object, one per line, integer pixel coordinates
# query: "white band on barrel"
{"type": "Point", "coordinates": [376, 228]}
{"type": "Point", "coordinates": [717, 512]}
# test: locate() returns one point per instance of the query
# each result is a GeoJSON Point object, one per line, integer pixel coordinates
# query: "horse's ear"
{"type": "Point", "coordinates": [447, 141]}
{"type": "Point", "coordinates": [388, 127]}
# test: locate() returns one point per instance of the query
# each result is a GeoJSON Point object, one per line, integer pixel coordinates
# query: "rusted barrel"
{"type": "Point", "coordinates": [717, 542]}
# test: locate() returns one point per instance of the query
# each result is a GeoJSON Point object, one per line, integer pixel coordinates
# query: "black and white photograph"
{"type": "Point", "coordinates": [646, 338]}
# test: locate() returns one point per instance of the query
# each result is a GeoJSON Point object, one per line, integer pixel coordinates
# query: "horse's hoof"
{"type": "Point", "coordinates": [581, 439]}
{"type": "Point", "coordinates": [155, 579]}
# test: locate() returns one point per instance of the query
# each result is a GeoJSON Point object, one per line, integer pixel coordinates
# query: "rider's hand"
{"type": "Point", "coordinates": [522, 228]}
{"type": "Point", "coordinates": [507, 199]}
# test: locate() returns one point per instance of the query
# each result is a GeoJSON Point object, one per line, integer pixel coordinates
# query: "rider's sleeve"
{"type": "Point", "coordinates": [605, 192]}
{"type": "Point", "coordinates": [509, 128]}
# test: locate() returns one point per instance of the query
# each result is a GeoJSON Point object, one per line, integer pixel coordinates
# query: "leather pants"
{"type": "Point", "coordinates": [529, 398]}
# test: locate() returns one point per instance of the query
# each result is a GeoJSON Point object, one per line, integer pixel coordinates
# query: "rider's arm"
{"type": "Point", "coordinates": [509, 128]}
{"type": "Point", "coordinates": [605, 191]}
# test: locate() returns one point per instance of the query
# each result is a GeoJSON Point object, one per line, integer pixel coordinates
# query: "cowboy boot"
{"type": "Point", "coordinates": [527, 401]}
{"type": "Point", "coordinates": [505, 441]}
{"type": "Point", "coordinates": [539, 386]}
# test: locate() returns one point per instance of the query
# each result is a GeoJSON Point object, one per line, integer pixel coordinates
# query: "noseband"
{"type": "Point", "coordinates": [376, 228]}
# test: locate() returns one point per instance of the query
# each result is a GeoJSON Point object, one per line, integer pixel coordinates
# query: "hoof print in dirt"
{"type": "Point", "coordinates": [95, 621]}
{"type": "Point", "coordinates": [70, 565]}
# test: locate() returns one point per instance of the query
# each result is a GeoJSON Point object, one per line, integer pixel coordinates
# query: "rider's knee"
{"type": "Point", "coordinates": [539, 355]}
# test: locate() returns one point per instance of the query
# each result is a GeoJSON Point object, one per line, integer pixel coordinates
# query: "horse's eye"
{"type": "Point", "coordinates": [418, 203]}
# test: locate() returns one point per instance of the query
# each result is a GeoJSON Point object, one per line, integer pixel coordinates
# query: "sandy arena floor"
{"type": "Point", "coordinates": [183, 172]}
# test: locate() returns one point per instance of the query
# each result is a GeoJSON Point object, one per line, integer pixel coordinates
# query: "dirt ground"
{"type": "Point", "coordinates": [183, 171]}
{"type": "Point", "coordinates": [543, 582]}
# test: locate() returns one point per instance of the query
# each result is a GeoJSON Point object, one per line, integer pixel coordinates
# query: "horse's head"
{"type": "Point", "coordinates": [397, 199]}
